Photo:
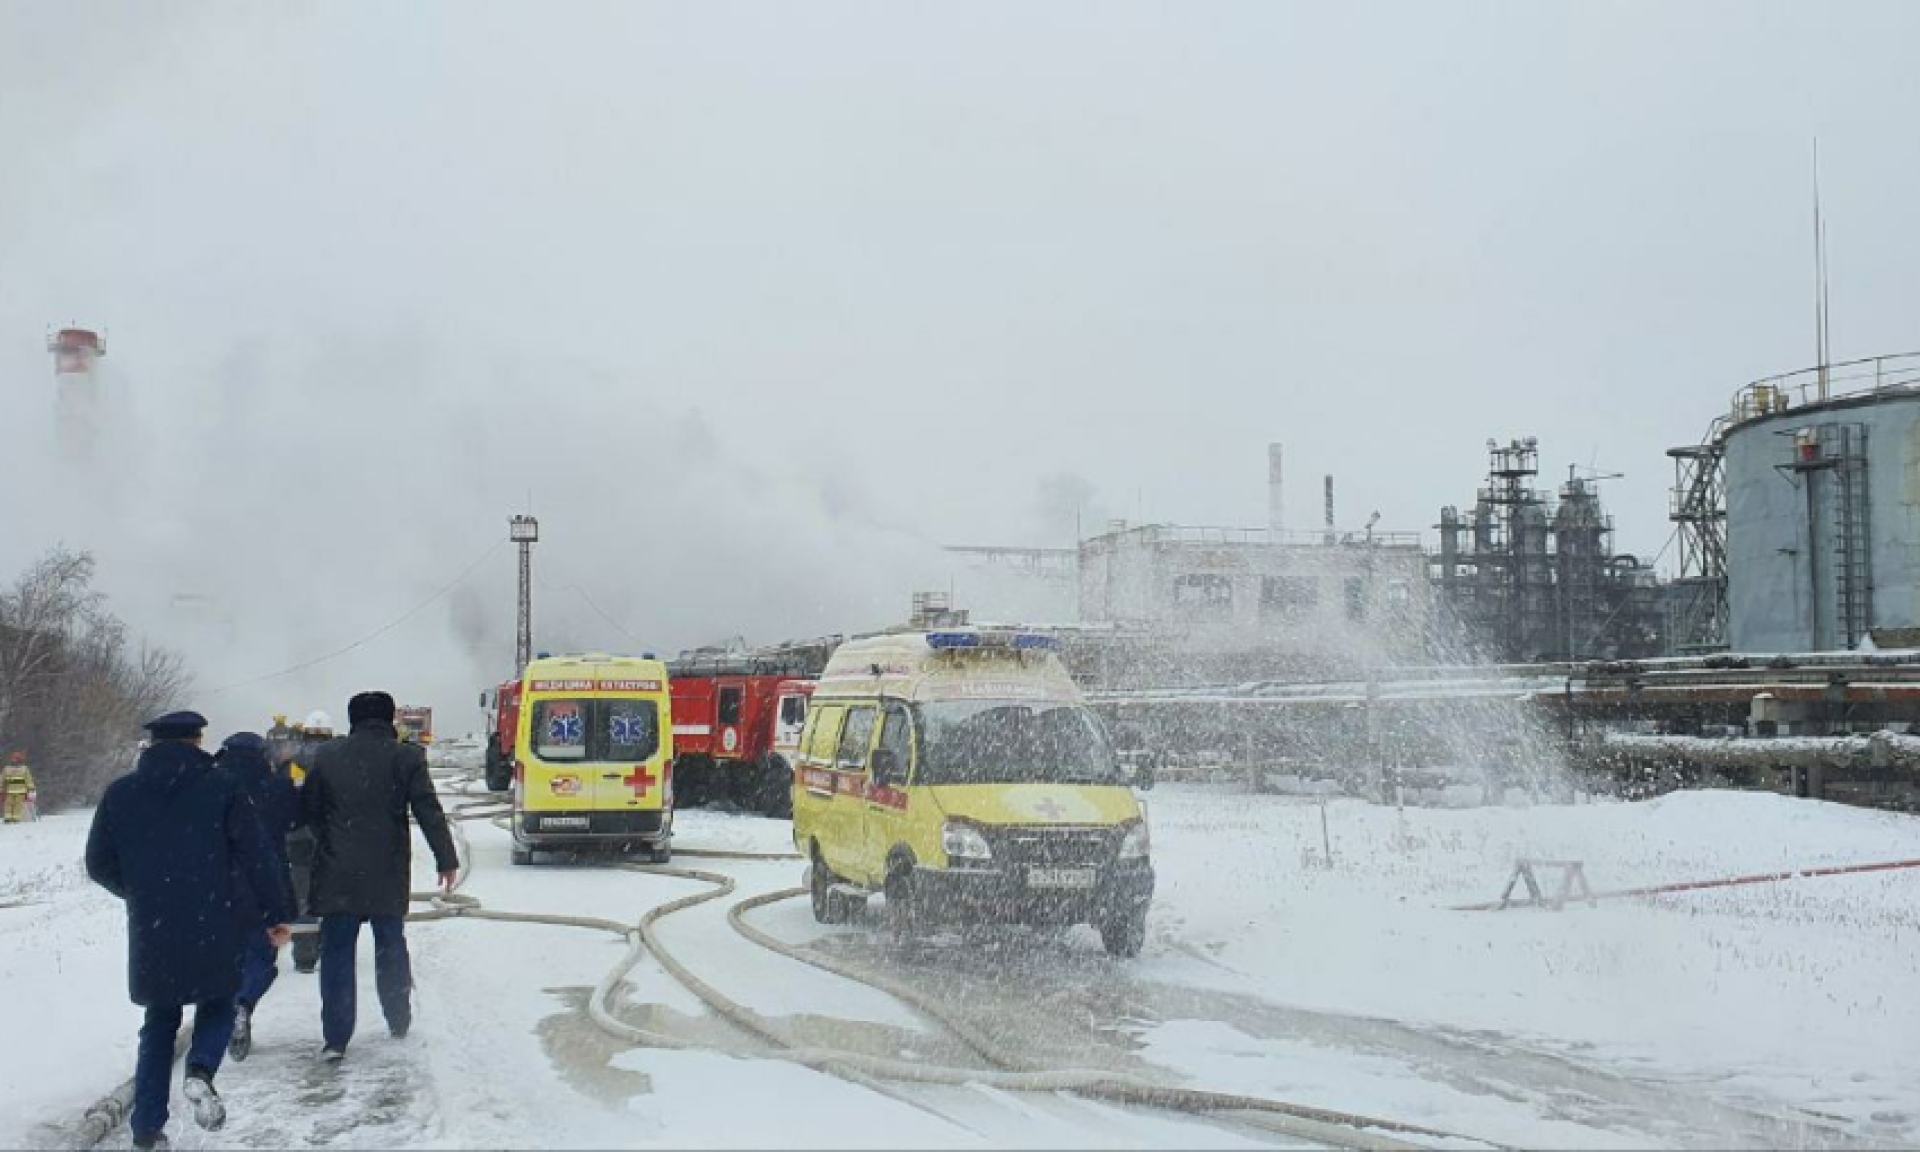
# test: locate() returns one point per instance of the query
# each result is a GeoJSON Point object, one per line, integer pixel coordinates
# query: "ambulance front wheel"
{"type": "Point", "coordinates": [829, 907]}
{"type": "Point", "coordinates": [1123, 934]}
{"type": "Point", "coordinates": [902, 913]}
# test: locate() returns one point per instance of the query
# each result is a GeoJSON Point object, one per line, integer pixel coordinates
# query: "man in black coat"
{"type": "Point", "coordinates": [355, 801]}
{"type": "Point", "coordinates": [172, 839]}
{"type": "Point", "coordinates": [243, 757]}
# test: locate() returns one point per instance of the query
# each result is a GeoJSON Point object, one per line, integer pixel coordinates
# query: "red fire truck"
{"type": "Point", "coordinates": [414, 722]}
{"type": "Point", "coordinates": [503, 707]}
{"type": "Point", "coordinates": [733, 718]}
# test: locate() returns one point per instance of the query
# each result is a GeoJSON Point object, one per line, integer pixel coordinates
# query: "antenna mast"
{"type": "Point", "coordinates": [1822, 337]}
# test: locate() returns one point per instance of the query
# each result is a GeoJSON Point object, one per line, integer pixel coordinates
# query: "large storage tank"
{"type": "Point", "coordinates": [1823, 516]}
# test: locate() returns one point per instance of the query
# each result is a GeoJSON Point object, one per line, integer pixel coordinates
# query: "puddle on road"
{"type": "Point", "coordinates": [867, 1038]}
{"type": "Point", "coordinates": [582, 1054]}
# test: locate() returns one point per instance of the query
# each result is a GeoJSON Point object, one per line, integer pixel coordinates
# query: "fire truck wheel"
{"type": "Point", "coordinates": [774, 796]}
{"type": "Point", "coordinates": [519, 855]}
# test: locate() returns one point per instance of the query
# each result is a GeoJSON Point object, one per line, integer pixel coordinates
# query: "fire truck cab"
{"type": "Point", "coordinates": [503, 716]}
{"type": "Point", "coordinates": [790, 719]}
{"type": "Point", "coordinates": [730, 714]}
{"type": "Point", "coordinates": [414, 723]}
{"type": "Point", "coordinates": [592, 756]}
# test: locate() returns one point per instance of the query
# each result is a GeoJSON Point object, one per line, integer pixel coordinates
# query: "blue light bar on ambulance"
{"type": "Point", "coordinates": [1019, 641]}
{"type": "Point", "coordinates": [1037, 642]}
{"type": "Point", "coordinates": [953, 639]}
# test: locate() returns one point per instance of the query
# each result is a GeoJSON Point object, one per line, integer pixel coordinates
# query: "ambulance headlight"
{"type": "Point", "coordinates": [964, 842]}
{"type": "Point", "coordinates": [1136, 843]}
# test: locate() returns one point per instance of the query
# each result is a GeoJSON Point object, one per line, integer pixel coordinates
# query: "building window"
{"type": "Point", "coordinates": [1356, 598]}
{"type": "Point", "coordinates": [1203, 594]}
{"type": "Point", "coordinates": [1287, 597]}
{"type": "Point", "coordinates": [1399, 593]}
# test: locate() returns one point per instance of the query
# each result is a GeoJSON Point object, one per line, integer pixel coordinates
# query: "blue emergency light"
{"type": "Point", "coordinates": [1019, 641]}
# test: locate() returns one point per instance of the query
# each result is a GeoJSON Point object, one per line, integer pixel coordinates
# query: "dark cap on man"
{"type": "Point", "coordinates": [370, 706]}
{"type": "Point", "coordinates": [176, 726]}
{"type": "Point", "coordinates": [246, 742]}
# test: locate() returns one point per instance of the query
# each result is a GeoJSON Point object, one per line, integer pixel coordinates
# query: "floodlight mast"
{"type": "Point", "coordinates": [524, 531]}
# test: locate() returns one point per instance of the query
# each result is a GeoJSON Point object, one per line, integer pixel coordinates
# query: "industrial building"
{"type": "Point", "coordinates": [1526, 578]}
{"type": "Point", "coordinates": [1219, 604]}
{"type": "Point", "coordinates": [1800, 513]}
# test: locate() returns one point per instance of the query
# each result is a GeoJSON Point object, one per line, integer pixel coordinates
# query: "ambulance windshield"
{"type": "Point", "coordinates": [1012, 742]}
{"type": "Point", "coordinates": [598, 730]}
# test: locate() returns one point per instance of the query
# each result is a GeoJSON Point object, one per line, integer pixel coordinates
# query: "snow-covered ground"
{"type": "Point", "coordinates": [1757, 1016]}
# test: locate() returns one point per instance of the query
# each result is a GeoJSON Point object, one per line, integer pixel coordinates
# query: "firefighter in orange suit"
{"type": "Point", "coordinates": [18, 797]}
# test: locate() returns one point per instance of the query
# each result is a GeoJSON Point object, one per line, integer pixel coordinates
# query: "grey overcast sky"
{"type": "Point", "coordinates": [782, 294]}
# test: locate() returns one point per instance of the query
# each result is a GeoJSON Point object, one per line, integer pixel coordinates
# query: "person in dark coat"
{"type": "Point", "coordinates": [169, 839]}
{"type": "Point", "coordinates": [243, 757]}
{"type": "Point", "coordinates": [357, 794]}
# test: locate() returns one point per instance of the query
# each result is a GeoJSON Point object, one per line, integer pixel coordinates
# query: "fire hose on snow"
{"type": "Point", "coordinates": [1006, 1073]}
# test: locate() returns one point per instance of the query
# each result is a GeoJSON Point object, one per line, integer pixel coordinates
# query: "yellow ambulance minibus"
{"type": "Point", "coordinates": [961, 775]}
{"type": "Point", "coordinates": [591, 756]}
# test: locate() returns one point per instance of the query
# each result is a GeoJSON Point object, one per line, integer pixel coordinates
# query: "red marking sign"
{"type": "Point", "coordinates": [887, 796]}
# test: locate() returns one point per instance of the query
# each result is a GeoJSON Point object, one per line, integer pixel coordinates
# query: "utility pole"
{"type": "Point", "coordinates": [524, 531]}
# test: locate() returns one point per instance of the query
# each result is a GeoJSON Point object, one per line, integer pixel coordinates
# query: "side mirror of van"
{"type": "Point", "coordinates": [885, 765]}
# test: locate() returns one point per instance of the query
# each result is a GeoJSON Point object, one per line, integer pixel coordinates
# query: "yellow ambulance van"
{"type": "Point", "coordinates": [591, 756]}
{"type": "Point", "coordinates": [961, 775]}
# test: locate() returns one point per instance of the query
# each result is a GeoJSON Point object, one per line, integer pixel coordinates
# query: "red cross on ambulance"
{"type": "Point", "coordinates": [640, 781]}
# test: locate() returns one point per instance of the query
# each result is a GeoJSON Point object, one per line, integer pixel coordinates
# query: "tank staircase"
{"type": "Point", "coordinates": [1852, 545]}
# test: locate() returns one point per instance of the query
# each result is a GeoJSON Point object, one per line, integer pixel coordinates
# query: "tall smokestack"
{"type": "Point", "coordinates": [79, 408]}
{"type": "Point", "coordinates": [1276, 506]}
{"type": "Point", "coordinates": [1329, 538]}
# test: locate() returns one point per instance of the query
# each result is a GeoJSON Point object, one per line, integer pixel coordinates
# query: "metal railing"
{"type": "Point", "coordinates": [1188, 534]}
{"type": "Point", "coordinates": [1808, 386]}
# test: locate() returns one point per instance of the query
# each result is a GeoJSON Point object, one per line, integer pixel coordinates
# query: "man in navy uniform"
{"type": "Point", "coordinates": [175, 839]}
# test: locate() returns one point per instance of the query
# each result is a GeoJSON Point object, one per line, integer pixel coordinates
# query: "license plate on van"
{"type": "Point", "coordinates": [565, 822]}
{"type": "Point", "coordinates": [1060, 877]}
